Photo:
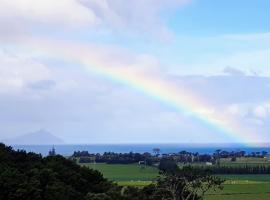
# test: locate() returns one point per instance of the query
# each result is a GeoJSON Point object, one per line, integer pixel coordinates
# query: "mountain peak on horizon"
{"type": "Point", "coordinates": [40, 137]}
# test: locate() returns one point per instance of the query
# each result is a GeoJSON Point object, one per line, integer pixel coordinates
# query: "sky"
{"type": "Point", "coordinates": [136, 71]}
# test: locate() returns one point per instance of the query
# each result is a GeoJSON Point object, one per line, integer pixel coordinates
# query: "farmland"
{"type": "Point", "coordinates": [237, 190]}
{"type": "Point", "coordinates": [123, 172]}
{"type": "Point", "coordinates": [236, 186]}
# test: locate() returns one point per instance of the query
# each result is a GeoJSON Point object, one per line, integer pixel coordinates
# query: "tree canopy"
{"type": "Point", "coordinates": [29, 176]}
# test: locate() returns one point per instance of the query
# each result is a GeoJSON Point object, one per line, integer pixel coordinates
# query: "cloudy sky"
{"type": "Point", "coordinates": [136, 71]}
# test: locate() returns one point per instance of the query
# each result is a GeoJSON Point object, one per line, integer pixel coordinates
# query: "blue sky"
{"type": "Point", "coordinates": [206, 17]}
{"type": "Point", "coordinates": [218, 50]}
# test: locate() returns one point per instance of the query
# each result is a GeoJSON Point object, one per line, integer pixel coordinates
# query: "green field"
{"type": "Point", "coordinates": [247, 178]}
{"type": "Point", "coordinates": [236, 187]}
{"type": "Point", "coordinates": [122, 172]}
{"type": "Point", "coordinates": [246, 187]}
{"type": "Point", "coordinates": [240, 190]}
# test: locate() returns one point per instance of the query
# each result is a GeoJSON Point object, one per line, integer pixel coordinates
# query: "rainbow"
{"type": "Point", "coordinates": [179, 99]}
{"type": "Point", "coordinates": [157, 87]}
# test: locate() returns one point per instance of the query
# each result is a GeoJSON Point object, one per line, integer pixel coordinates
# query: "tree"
{"type": "Point", "coordinates": [100, 196]}
{"type": "Point", "coordinates": [264, 153]}
{"type": "Point", "coordinates": [52, 152]}
{"type": "Point", "coordinates": [156, 151]}
{"type": "Point", "coordinates": [187, 184]}
{"type": "Point", "coordinates": [29, 176]}
{"type": "Point", "coordinates": [217, 156]}
{"type": "Point", "coordinates": [233, 159]}
{"type": "Point", "coordinates": [168, 165]}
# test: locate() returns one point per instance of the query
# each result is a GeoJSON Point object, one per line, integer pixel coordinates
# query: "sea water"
{"type": "Point", "coordinates": [67, 150]}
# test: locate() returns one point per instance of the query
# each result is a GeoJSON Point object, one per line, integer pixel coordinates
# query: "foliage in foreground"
{"type": "Point", "coordinates": [28, 176]}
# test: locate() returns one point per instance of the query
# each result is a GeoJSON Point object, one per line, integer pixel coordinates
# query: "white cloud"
{"type": "Point", "coordinates": [234, 110]}
{"type": "Point", "coordinates": [253, 60]}
{"type": "Point", "coordinates": [63, 12]}
{"type": "Point", "coordinates": [260, 112]}
{"type": "Point", "coordinates": [16, 71]}
{"type": "Point", "coordinates": [250, 114]}
{"type": "Point", "coordinates": [26, 67]}
{"type": "Point", "coordinates": [119, 16]}
{"type": "Point", "coordinates": [137, 15]}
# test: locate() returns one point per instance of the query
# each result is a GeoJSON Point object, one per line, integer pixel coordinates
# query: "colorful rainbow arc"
{"type": "Point", "coordinates": [179, 98]}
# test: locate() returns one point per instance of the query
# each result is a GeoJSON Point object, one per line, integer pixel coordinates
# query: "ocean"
{"type": "Point", "coordinates": [67, 150]}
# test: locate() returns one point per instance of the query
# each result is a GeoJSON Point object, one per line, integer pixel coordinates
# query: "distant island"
{"type": "Point", "coordinates": [41, 137]}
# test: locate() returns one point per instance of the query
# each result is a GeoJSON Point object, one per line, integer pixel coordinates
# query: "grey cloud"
{"type": "Point", "coordinates": [42, 85]}
{"type": "Point", "coordinates": [233, 71]}
{"type": "Point", "coordinates": [228, 89]}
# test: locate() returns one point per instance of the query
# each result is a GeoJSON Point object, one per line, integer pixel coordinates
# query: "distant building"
{"type": "Point", "coordinates": [209, 163]}
{"type": "Point", "coordinates": [142, 164]}
{"type": "Point", "coordinates": [52, 152]}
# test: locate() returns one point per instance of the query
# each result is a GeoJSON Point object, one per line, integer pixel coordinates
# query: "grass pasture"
{"type": "Point", "coordinates": [125, 173]}
{"type": "Point", "coordinates": [242, 191]}
{"type": "Point", "coordinates": [243, 187]}
{"type": "Point", "coordinates": [236, 187]}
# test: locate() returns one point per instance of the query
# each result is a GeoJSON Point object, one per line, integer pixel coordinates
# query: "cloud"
{"type": "Point", "coordinates": [234, 72]}
{"type": "Point", "coordinates": [262, 110]}
{"type": "Point", "coordinates": [118, 16]}
{"type": "Point", "coordinates": [137, 15]}
{"type": "Point", "coordinates": [237, 110]}
{"type": "Point", "coordinates": [244, 52]}
{"type": "Point", "coordinates": [250, 114]}
{"type": "Point", "coordinates": [64, 12]}
{"type": "Point", "coordinates": [42, 85]}
{"type": "Point", "coordinates": [253, 59]}
{"type": "Point", "coordinates": [18, 70]}
{"type": "Point", "coordinates": [227, 90]}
